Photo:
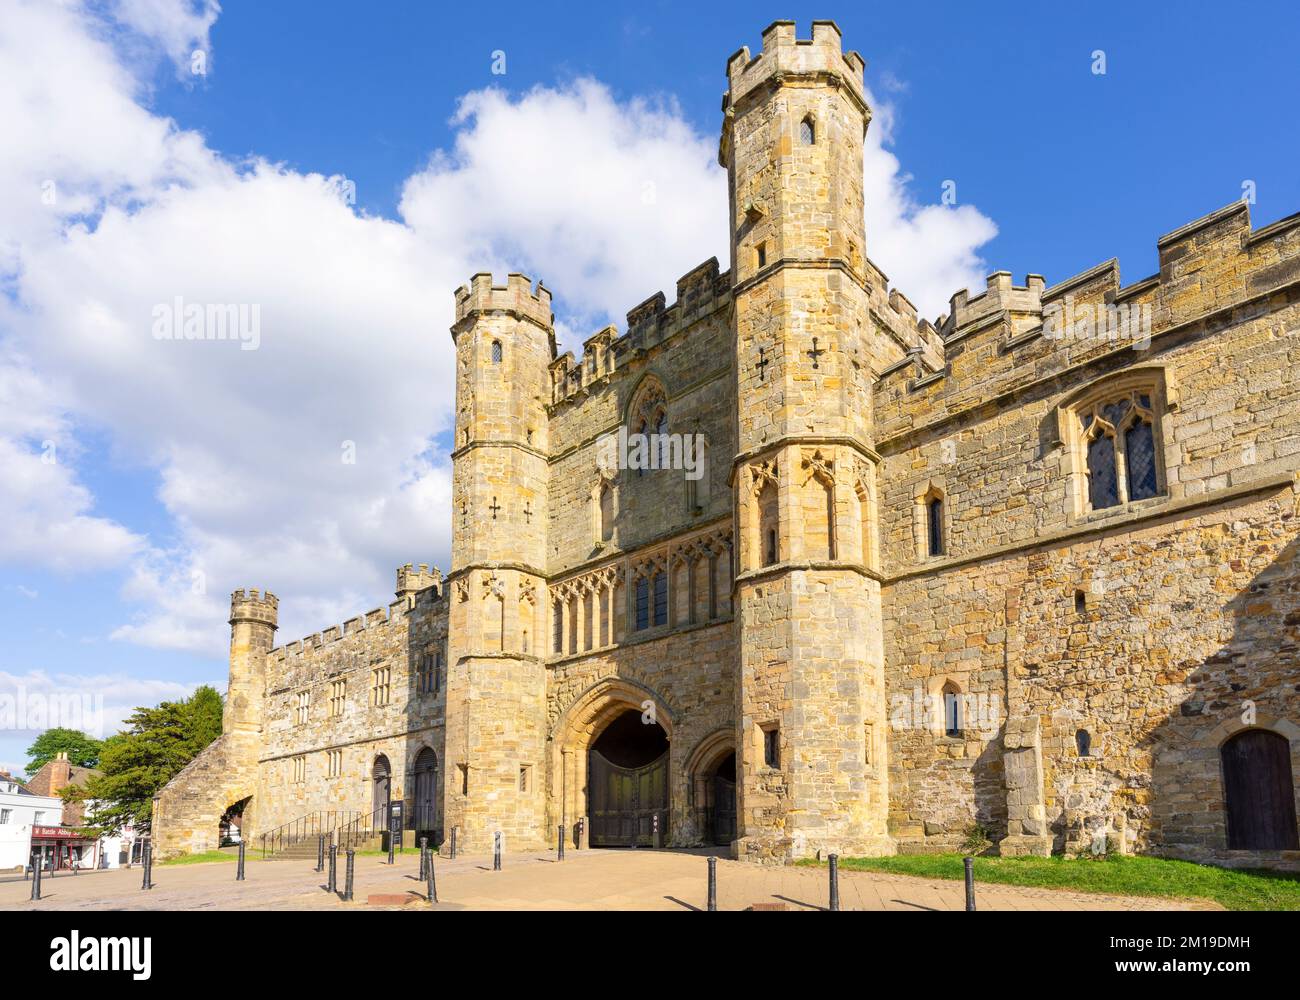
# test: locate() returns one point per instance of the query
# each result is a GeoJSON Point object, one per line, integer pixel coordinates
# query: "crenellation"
{"type": "Point", "coordinates": [516, 298]}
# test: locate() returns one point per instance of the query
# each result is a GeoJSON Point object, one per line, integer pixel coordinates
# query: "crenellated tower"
{"type": "Point", "coordinates": [496, 684]}
{"type": "Point", "coordinates": [254, 615]}
{"type": "Point", "coordinates": [811, 713]}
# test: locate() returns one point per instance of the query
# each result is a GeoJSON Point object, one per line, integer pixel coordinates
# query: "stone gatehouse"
{"type": "Point", "coordinates": [1030, 567]}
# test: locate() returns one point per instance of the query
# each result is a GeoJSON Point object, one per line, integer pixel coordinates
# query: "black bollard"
{"type": "Point", "coordinates": [713, 884]}
{"type": "Point", "coordinates": [835, 882]}
{"type": "Point", "coordinates": [582, 829]}
{"type": "Point", "coordinates": [453, 843]}
{"type": "Point", "coordinates": [496, 851]}
{"type": "Point", "coordinates": [559, 843]}
{"type": "Point", "coordinates": [239, 868]}
{"type": "Point", "coordinates": [432, 889]}
{"type": "Point", "coordinates": [148, 866]}
{"type": "Point", "coordinates": [969, 864]}
{"type": "Point", "coordinates": [351, 873]}
{"type": "Point", "coordinates": [392, 847]}
{"type": "Point", "coordinates": [36, 881]}
{"type": "Point", "coordinates": [331, 883]}
{"type": "Point", "coordinates": [320, 853]}
{"type": "Point", "coordinates": [654, 834]}
{"type": "Point", "coordinates": [424, 857]}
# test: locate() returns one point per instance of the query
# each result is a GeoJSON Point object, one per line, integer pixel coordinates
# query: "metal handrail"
{"type": "Point", "coordinates": [313, 824]}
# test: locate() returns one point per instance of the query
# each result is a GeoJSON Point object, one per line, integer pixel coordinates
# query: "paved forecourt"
{"type": "Point", "coordinates": [585, 880]}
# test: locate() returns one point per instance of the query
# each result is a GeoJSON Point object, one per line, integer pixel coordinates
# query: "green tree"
{"type": "Point", "coordinates": [137, 762]}
{"type": "Point", "coordinates": [81, 749]}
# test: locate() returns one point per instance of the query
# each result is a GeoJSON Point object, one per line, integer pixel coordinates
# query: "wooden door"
{"type": "Point", "coordinates": [623, 801]}
{"type": "Point", "coordinates": [1259, 792]}
{"type": "Point", "coordinates": [724, 810]}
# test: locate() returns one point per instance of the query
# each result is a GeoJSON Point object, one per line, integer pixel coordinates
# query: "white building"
{"type": "Point", "coordinates": [21, 812]}
{"type": "Point", "coordinates": [59, 841]}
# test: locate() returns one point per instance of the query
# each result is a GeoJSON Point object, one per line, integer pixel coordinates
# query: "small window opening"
{"type": "Point", "coordinates": [772, 747]}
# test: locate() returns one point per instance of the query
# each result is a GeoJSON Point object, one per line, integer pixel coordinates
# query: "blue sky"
{"type": "Point", "coordinates": [184, 473]}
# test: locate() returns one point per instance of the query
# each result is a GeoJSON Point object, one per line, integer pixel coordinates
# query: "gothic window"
{"type": "Point", "coordinates": [768, 523]}
{"type": "Point", "coordinates": [649, 417]}
{"type": "Point", "coordinates": [642, 603]}
{"type": "Point", "coordinates": [605, 511]}
{"type": "Point", "coordinates": [697, 490]}
{"type": "Point", "coordinates": [953, 723]}
{"type": "Point", "coordinates": [496, 352]}
{"type": "Point", "coordinates": [651, 600]}
{"type": "Point", "coordinates": [338, 698]}
{"type": "Point", "coordinates": [557, 625]}
{"type": "Point", "coordinates": [1118, 448]}
{"type": "Point", "coordinates": [302, 708]}
{"type": "Point", "coordinates": [807, 131]}
{"type": "Point", "coordinates": [934, 525]}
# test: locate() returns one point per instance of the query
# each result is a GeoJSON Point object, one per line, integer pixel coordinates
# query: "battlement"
{"type": "Point", "coordinates": [253, 605]}
{"type": "Point", "coordinates": [410, 580]}
{"type": "Point", "coordinates": [1009, 335]}
{"type": "Point", "coordinates": [700, 291]}
{"type": "Point", "coordinates": [517, 298]}
{"type": "Point", "coordinates": [377, 618]}
{"type": "Point", "coordinates": [784, 55]}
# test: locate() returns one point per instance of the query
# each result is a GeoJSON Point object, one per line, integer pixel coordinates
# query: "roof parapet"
{"type": "Point", "coordinates": [517, 297]}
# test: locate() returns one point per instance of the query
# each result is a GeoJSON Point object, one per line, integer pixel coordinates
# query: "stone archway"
{"type": "Point", "coordinates": [381, 780]}
{"type": "Point", "coordinates": [711, 771]}
{"type": "Point", "coordinates": [577, 731]}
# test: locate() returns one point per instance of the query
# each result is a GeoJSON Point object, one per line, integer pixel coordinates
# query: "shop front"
{"type": "Point", "coordinates": [61, 849]}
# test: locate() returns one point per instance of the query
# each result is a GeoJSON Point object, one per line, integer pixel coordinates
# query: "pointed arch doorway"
{"type": "Point", "coordinates": [426, 794]}
{"type": "Point", "coordinates": [381, 780]}
{"type": "Point", "coordinates": [627, 782]}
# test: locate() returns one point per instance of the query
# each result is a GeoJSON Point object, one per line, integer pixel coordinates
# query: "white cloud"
{"type": "Point", "coordinates": [177, 27]}
{"type": "Point", "coordinates": [613, 202]}
{"type": "Point", "coordinates": [928, 250]}
{"type": "Point", "coordinates": [46, 515]}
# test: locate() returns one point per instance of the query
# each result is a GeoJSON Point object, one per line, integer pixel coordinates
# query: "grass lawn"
{"type": "Point", "coordinates": [250, 854]}
{"type": "Point", "coordinates": [204, 857]}
{"type": "Point", "coordinates": [1115, 875]}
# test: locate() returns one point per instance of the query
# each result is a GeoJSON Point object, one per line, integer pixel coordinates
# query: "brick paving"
{"type": "Point", "coordinates": [585, 880]}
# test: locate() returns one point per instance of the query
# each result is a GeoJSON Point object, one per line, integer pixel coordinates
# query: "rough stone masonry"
{"type": "Point", "coordinates": [1026, 571]}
